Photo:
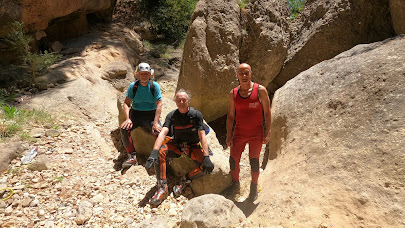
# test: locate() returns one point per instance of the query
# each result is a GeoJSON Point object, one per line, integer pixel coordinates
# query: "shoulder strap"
{"type": "Point", "coordinates": [152, 87]}
{"type": "Point", "coordinates": [235, 92]}
{"type": "Point", "coordinates": [136, 87]}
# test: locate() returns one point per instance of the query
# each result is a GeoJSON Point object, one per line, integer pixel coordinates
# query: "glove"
{"type": "Point", "coordinates": [207, 165]}
{"type": "Point", "coordinates": [154, 156]}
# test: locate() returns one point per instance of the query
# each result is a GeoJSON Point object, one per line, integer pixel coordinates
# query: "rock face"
{"type": "Point", "coordinates": [340, 126]}
{"type": "Point", "coordinates": [211, 55]}
{"type": "Point", "coordinates": [38, 15]}
{"type": "Point", "coordinates": [54, 19]}
{"type": "Point", "coordinates": [222, 35]}
{"type": "Point", "coordinates": [211, 211]}
{"type": "Point", "coordinates": [397, 8]}
{"type": "Point", "coordinates": [326, 28]}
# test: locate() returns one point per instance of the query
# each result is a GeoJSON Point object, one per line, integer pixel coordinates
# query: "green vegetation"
{"type": "Point", "coordinates": [59, 178]}
{"type": "Point", "coordinates": [169, 17]}
{"type": "Point", "coordinates": [35, 63]}
{"type": "Point", "coordinates": [13, 120]}
{"type": "Point", "coordinates": [295, 6]}
{"type": "Point", "coordinates": [243, 3]}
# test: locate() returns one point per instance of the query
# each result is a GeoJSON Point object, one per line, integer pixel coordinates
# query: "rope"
{"type": "Point", "coordinates": [11, 193]}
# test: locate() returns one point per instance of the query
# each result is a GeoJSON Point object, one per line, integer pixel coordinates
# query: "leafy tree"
{"type": "Point", "coordinates": [296, 6]}
{"type": "Point", "coordinates": [37, 63]}
{"type": "Point", "coordinates": [169, 17]}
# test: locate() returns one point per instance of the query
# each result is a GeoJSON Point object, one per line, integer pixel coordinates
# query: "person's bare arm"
{"type": "Point", "coordinates": [203, 140]}
{"type": "Point", "coordinates": [229, 120]}
{"type": "Point", "coordinates": [156, 126]}
{"type": "Point", "coordinates": [127, 124]}
{"type": "Point", "coordinates": [264, 98]}
{"type": "Point", "coordinates": [161, 137]}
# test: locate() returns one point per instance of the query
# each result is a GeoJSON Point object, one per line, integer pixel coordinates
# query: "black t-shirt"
{"type": "Point", "coordinates": [185, 126]}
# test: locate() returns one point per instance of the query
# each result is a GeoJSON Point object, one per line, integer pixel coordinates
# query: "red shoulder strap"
{"type": "Point", "coordinates": [235, 92]}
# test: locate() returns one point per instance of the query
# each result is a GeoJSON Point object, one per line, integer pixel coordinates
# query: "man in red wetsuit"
{"type": "Point", "coordinates": [248, 103]}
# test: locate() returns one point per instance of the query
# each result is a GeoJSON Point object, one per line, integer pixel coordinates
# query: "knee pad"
{"type": "Point", "coordinates": [232, 163]}
{"type": "Point", "coordinates": [254, 164]}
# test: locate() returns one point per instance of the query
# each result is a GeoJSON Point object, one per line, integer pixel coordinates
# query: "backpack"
{"type": "Point", "coordinates": [151, 85]}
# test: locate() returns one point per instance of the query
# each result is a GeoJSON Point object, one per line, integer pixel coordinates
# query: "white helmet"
{"type": "Point", "coordinates": [143, 67]}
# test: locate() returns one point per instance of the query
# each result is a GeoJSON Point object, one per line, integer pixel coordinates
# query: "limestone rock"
{"type": "Point", "coordinates": [211, 211]}
{"type": "Point", "coordinates": [338, 133]}
{"type": "Point", "coordinates": [41, 162]}
{"type": "Point", "coordinates": [210, 57]}
{"type": "Point", "coordinates": [324, 29]}
{"type": "Point", "coordinates": [85, 212]}
{"type": "Point", "coordinates": [116, 70]}
{"type": "Point", "coordinates": [9, 152]}
{"type": "Point", "coordinates": [397, 8]}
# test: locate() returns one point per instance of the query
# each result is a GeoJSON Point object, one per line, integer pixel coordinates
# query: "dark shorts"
{"type": "Point", "coordinates": [142, 119]}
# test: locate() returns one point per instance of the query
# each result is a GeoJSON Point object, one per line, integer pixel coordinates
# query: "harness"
{"type": "Point", "coordinates": [187, 135]}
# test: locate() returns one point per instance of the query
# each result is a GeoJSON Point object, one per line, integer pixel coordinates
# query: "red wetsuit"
{"type": "Point", "coordinates": [248, 129]}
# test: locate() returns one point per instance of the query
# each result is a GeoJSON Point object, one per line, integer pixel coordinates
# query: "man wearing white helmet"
{"type": "Point", "coordinates": [144, 111]}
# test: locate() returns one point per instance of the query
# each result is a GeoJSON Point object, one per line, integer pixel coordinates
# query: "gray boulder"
{"type": "Point", "coordinates": [211, 211]}
{"type": "Point", "coordinates": [9, 152]}
{"type": "Point", "coordinates": [338, 136]}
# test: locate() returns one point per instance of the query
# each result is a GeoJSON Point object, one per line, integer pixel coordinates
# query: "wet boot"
{"type": "Point", "coordinates": [253, 192]}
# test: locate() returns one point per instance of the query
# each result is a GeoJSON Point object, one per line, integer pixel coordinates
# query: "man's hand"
{"type": "Point", "coordinates": [156, 127]}
{"type": "Point", "coordinates": [229, 141]}
{"type": "Point", "coordinates": [127, 124]}
{"type": "Point", "coordinates": [207, 165]}
{"type": "Point", "coordinates": [154, 156]}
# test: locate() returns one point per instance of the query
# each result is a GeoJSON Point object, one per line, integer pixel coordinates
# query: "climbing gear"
{"type": "Point", "coordinates": [143, 67]}
{"type": "Point", "coordinates": [253, 192]}
{"type": "Point", "coordinates": [207, 165]}
{"type": "Point", "coordinates": [160, 195]}
{"type": "Point", "coordinates": [8, 197]}
{"type": "Point", "coordinates": [178, 189]}
{"type": "Point", "coordinates": [154, 156]}
{"type": "Point", "coordinates": [130, 161]}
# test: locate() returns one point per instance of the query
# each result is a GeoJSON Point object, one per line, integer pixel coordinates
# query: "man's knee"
{"type": "Point", "coordinates": [254, 164]}
{"type": "Point", "coordinates": [232, 163]}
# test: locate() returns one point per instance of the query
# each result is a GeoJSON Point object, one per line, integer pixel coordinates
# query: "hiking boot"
{"type": "Point", "coordinates": [234, 188]}
{"type": "Point", "coordinates": [130, 161]}
{"type": "Point", "coordinates": [160, 195]}
{"type": "Point", "coordinates": [178, 189]}
{"type": "Point", "coordinates": [253, 192]}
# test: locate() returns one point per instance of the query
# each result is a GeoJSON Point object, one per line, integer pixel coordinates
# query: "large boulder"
{"type": "Point", "coordinates": [326, 28]}
{"type": "Point", "coordinates": [338, 133]}
{"type": "Point", "coordinates": [222, 35]}
{"type": "Point", "coordinates": [211, 210]}
{"type": "Point", "coordinates": [8, 152]}
{"type": "Point", "coordinates": [211, 55]}
{"type": "Point", "coordinates": [397, 8]}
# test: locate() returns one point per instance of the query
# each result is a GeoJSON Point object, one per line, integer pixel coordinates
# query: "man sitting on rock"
{"type": "Point", "coordinates": [186, 125]}
{"type": "Point", "coordinates": [145, 110]}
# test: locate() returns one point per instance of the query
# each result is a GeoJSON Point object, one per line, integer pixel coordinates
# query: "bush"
{"type": "Point", "coordinates": [36, 63]}
{"type": "Point", "coordinates": [169, 17]}
{"type": "Point", "coordinates": [295, 6]}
